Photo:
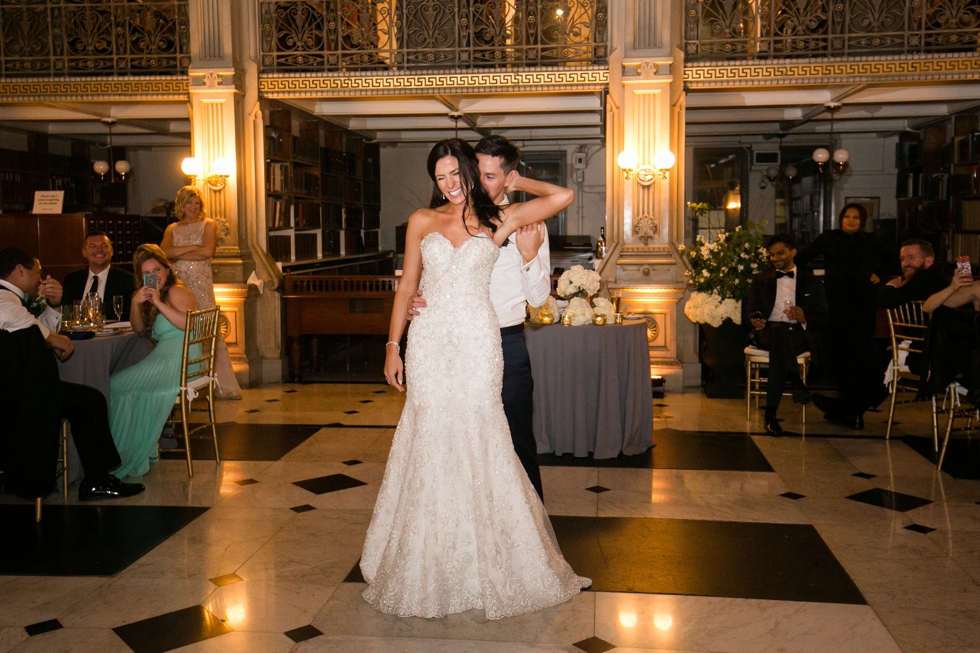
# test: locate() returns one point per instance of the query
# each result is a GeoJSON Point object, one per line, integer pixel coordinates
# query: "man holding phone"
{"type": "Point", "coordinates": [786, 307]}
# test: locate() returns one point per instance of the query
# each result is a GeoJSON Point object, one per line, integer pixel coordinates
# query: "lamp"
{"type": "Point", "coordinates": [663, 161]}
{"type": "Point", "coordinates": [822, 155]}
{"type": "Point", "coordinates": [121, 166]}
{"type": "Point", "coordinates": [221, 169]}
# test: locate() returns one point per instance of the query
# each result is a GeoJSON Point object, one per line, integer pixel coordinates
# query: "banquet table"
{"type": "Point", "coordinates": [92, 363]}
{"type": "Point", "coordinates": [592, 389]}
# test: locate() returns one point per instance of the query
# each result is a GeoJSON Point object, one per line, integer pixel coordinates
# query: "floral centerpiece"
{"type": "Point", "coordinates": [721, 272]}
{"type": "Point", "coordinates": [579, 282]}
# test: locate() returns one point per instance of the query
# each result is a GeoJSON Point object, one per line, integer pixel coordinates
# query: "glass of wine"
{"type": "Point", "coordinates": [117, 306]}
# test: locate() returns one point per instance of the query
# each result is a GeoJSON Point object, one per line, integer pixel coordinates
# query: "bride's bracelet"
{"type": "Point", "coordinates": [398, 348]}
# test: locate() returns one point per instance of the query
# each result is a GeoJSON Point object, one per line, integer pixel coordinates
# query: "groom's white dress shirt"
{"type": "Point", "coordinates": [14, 316]}
{"type": "Point", "coordinates": [514, 283]}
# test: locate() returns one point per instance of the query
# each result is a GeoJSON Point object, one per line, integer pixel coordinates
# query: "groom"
{"type": "Point", "coordinates": [520, 276]}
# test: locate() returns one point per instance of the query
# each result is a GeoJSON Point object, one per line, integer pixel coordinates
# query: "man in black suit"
{"type": "Point", "coordinates": [33, 399]}
{"type": "Point", "coordinates": [100, 277]}
{"type": "Point", "coordinates": [786, 308]}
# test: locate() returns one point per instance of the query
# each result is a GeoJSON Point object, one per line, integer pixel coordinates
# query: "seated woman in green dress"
{"type": "Point", "coordinates": [141, 396]}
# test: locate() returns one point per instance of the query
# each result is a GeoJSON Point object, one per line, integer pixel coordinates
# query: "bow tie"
{"type": "Point", "coordinates": [780, 275]}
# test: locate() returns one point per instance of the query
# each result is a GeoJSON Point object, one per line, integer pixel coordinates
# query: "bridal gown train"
{"type": "Point", "coordinates": [457, 524]}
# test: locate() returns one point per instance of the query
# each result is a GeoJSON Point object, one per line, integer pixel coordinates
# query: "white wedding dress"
{"type": "Point", "coordinates": [457, 524]}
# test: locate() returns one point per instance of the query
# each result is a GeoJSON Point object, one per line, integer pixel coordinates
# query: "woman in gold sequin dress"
{"type": "Point", "coordinates": [190, 245]}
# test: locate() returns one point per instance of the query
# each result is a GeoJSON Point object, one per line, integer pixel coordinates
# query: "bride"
{"type": "Point", "coordinates": [457, 524]}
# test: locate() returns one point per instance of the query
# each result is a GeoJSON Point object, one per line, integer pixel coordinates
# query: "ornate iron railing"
{"type": "Point", "coordinates": [765, 29]}
{"type": "Point", "coordinates": [93, 37]}
{"type": "Point", "coordinates": [338, 35]}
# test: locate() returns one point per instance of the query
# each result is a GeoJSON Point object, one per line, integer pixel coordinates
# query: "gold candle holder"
{"type": "Point", "coordinates": [566, 319]}
{"type": "Point", "coordinates": [618, 318]}
{"type": "Point", "coordinates": [599, 319]}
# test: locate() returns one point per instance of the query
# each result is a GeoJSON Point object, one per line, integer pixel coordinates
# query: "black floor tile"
{"type": "Point", "coordinates": [331, 483]}
{"type": "Point", "coordinates": [271, 401]}
{"type": "Point", "coordinates": [891, 500]}
{"type": "Point", "coordinates": [250, 441]}
{"type": "Point", "coordinates": [962, 455]}
{"type": "Point", "coordinates": [246, 481]}
{"type": "Point", "coordinates": [351, 462]}
{"type": "Point", "coordinates": [355, 575]}
{"type": "Point", "coordinates": [379, 392]}
{"type": "Point", "coordinates": [43, 627]}
{"type": "Point", "coordinates": [303, 508]}
{"type": "Point", "coordinates": [84, 540]}
{"type": "Point", "coordinates": [594, 645]}
{"type": "Point", "coordinates": [302, 633]}
{"type": "Point", "coordinates": [919, 528]}
{"type": "Point", "coordinates": [171, 630]}
{"type": "Point", "coordinates": [367, 401]}
{"type": "Point", "coordinates": [865, 475]}
{"type": "Point", "coordinates": [253, 410]}
{"type": "Point", "coordinates": [787, 562]}
{"type": "Point", "coordinates": [288, 392]}
{"type": "Point", "coordinates": [681, 450]}
{"type": "Point", "coordinates": [598, 489]}
{"type": "Point", "coordinates": [227, 579]}
{"type": "Point", "coordinates": [793, 495]}
{"type": "Point", "coordinates": [351, 412]}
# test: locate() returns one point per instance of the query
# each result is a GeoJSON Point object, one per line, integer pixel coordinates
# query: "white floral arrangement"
{"type": "Point", "coordinates": [579, 311]}
{"type": "Point", "coordinates": [604, 306]}
{"type": "Point", "coordinates": [550, 307]}
{"type": "Point", "coordinates": [709, 308]}
{"type": "Point", "coordinates": [577, 281]}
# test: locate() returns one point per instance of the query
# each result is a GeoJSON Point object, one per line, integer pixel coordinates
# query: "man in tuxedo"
{"type": "Point", "coordinates": [786, 308]}
{"type": "Point", "coordinates": [100, 277]}
{"type": "Point", "coordinates": [33, 399]}
{"type": "Point", "coordinates": [520, 276]}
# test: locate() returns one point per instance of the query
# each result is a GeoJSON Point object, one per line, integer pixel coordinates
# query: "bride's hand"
{"type": "Point", "coordinates": [394, 369]}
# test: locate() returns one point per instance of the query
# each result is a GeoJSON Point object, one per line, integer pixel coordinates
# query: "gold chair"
{"type": "Point", "coordinates": [907, 325]}
{"type": "Point", "coordinates": [196, 381]}
{"type": "Point", "coordinates": [958, 407]}
{"type": "Point", "coordinates": [61, 471]}
{"type": "Point", "coordinates": [755, 360]}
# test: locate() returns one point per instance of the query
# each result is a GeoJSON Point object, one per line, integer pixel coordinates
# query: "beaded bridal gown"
{"type": "Point", "coordinates": [457, 524]}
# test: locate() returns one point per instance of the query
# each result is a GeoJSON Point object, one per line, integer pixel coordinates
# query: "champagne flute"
{"type": "Point", "coordinates": [117, 306]}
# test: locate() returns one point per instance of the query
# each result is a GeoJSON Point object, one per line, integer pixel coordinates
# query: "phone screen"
{"type": "Point", "coordinates": [150, 280]}
{"type": "Point", "coordinates": [963, 266]}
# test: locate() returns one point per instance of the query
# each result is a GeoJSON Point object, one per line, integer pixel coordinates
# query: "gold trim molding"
{"type": "Point", "coordinates": [34, 89]}
{"type": "Point", "coordinates": [517, 80]}
{"type": "Point", "coordinates": [806, 72]}
{"type": "Point", "coordinates": [645, 249]}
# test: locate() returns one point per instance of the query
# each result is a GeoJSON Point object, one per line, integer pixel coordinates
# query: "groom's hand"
{"type": "Point", "coordinates": [529, 240]}
{"type": "Point", "coordinates": [416, 304]}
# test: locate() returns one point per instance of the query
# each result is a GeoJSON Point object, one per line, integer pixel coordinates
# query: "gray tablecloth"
{"type": "Point", "coordinates": [93, 362]}
{"type": "Point", "coordinates": [591, 389]}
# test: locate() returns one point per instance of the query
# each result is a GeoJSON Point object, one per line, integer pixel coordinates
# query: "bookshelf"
{"type": "Point", "coordinates": [937, 186]}
{"type": "Point", "coordinates": [323, 192]}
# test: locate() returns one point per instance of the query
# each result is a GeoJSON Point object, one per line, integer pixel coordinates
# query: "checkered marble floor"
{"type": "Point", "coordinates": [721, 539]}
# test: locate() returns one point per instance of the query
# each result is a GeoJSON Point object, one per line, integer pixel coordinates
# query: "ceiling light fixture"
{"type": "Point", "coordinates": [822, 155]}
{"type": "Point", "coordinates": [121, 166]}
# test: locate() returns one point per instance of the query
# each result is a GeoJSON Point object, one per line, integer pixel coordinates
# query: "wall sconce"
{"type": "Point", "coordinates": [220, 171]}
{"type": "Point", "coordinates": [663, 161]}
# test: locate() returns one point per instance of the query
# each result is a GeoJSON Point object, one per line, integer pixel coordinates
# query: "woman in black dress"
{"type": "Point", "coordinates": [852, 262]}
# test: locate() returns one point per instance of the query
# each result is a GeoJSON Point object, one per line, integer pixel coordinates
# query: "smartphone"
{"type": "Point", "coordinates": [963, 267]}
{"type": "Point", "coordinates": [757, 316]}
{"type": "Point", "coordinates": [150, 280]}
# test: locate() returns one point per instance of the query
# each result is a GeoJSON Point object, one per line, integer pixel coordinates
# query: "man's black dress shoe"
{"type": "Point", "coordinates": [110, 488]}
{"type": "Point", "coordinates": [772, 427]}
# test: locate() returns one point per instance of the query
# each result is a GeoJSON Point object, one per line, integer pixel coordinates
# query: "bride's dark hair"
{"type": "Point", "coordinates": [469, 178]}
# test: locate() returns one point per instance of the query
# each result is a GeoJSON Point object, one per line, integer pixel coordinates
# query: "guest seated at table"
{"type": "Point", "coordinates": [100, 277]}
{"type": "Point", "coordinates": [142, 396]}
{"type": "Point", "coordinates": [786, 307]}
{"type": "Point", "coordinates": [920, 278]}
{"type": "Point", "coordinates": [34, 399]}
{"type": "Point", "coordinates": [952, 341]}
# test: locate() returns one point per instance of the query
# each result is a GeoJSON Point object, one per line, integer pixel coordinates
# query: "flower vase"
{"type": "Point", "coordinates": [723, 360]}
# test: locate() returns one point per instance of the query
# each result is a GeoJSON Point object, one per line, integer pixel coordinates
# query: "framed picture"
{"type": "Point", "coordinates": [870, 205]}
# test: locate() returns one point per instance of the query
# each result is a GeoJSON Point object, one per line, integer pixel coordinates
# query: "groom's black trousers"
{"type": "Point", "coordinates": [517, 389]}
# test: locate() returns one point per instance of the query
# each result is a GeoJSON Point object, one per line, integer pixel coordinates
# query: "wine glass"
{"type": "Point", "coordinates": [117, 306]}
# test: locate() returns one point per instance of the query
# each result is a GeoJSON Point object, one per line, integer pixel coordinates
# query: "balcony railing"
{"type": "Point", "coordinates": [364, 35]}
{"type": "Point", "coordinates": [93, 37]}
{"type": "Point", "coordinates": [769, 29]}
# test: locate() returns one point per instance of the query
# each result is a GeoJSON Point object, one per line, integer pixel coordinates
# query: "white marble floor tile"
{"type": "Point", "coordinates": [74, 640]}
{"type": "Point", "coordinates": [565, 493]}
{"type": "Point", "coordinates": [694, 623]}
{"type": "Point", "coordinates": [290, 471]}
{"type": "Point", "coordinates": [273, 606]}
{"type": "Point", "coordinates": [241, 642]}
{"type": "Point", "coordinates": [26, 600]}
{"type": "Point", "coordinates": [921, 630]}
{"type": "Point", "coordinates": [691, 481]}
{"type": "Point", "coordinates": [700, 505]}
{"type": "Point", "coordinates": [11, 637]}
{"type": "Point", "coordinates": [267, 495]}
{"type": "Point", "coordinates": [348, 614]}
{"type": "Point", "coordinates": [125, 600]}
